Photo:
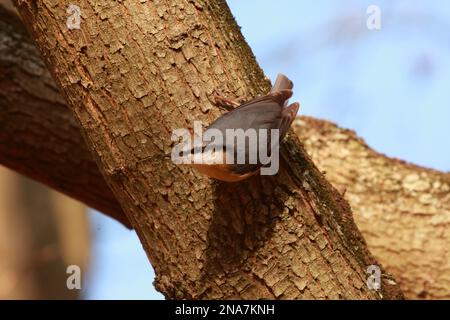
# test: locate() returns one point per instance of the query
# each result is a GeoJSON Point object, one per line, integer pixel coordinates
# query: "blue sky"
{"type": "Point", "coordinates": [392, 86]}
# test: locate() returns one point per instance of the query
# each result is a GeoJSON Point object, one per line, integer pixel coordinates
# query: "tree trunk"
{"type": "Point", "coordinates": [348, 162]}
{"type": "Point", "coordinates": [137, 70]}
{"type": "Point", "coordinates": [41, 234]}
{"type": "Point", "coordinates": [39, 136]}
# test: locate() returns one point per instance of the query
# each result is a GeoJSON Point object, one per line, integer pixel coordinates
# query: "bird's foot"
{"type": "Point", "coordinates": [226, 103]}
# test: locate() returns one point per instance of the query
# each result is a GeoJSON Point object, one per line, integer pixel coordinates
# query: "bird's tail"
{"type": "Point", "coordinates": [287, 117]}
{"type": "Point", "coordinates": [282, 83]}
{"type": "Point", "coordinates": [283, 86]}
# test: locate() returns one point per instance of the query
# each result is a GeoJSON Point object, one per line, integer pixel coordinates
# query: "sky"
{"type": "Point", "coordinates": [392, 86]}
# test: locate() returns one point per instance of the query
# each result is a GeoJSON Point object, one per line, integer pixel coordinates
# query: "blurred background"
{"type": "Point", "coordinates": [392, 86]}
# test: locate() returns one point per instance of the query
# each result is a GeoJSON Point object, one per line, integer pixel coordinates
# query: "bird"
{"type": "Point", "coordinates": [260, 115]}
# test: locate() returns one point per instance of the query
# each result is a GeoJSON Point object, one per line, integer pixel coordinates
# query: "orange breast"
{"type": "Point", "coordinates": [221, 172]}
{"type": "Point", "coordinates": [214, 165]}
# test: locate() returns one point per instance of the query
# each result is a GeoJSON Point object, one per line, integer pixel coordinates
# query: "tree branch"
{"type": "Point", "coordinates": [402, 210]}
{"type": "Point", "coordinates": [288, 236]}
{"type": "Point", "coordinates": [421, 273]}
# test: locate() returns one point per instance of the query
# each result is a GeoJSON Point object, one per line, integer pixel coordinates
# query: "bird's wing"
{"type": "Point", "coordinates": [260, 113]}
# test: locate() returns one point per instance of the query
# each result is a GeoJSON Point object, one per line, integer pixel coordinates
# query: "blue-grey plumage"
{"type": "Point", "coordinates": [266, 112]}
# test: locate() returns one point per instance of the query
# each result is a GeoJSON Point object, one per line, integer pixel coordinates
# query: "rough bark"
{"type": "Point", "coordinates": [39, 136]}
{"type": "Point", "coordinates": [402, 210]}
{"type": "Point", "coordinates": [322, 138]}
{"type": "Point", "coordinates": [137, 70]}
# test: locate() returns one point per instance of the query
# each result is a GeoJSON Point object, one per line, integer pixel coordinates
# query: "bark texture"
{"type": "Point", "coordinates": [39, 136]}
{"type": "Point", "coordinates": [402, 210]}
{"type": "Point", "coordinates": [321, 138]}
{"type": "Point", "coordinates": [137, 70]}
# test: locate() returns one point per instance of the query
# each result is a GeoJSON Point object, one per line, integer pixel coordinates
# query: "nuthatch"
{"type": "Point", "coordinates": [262, 114]}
